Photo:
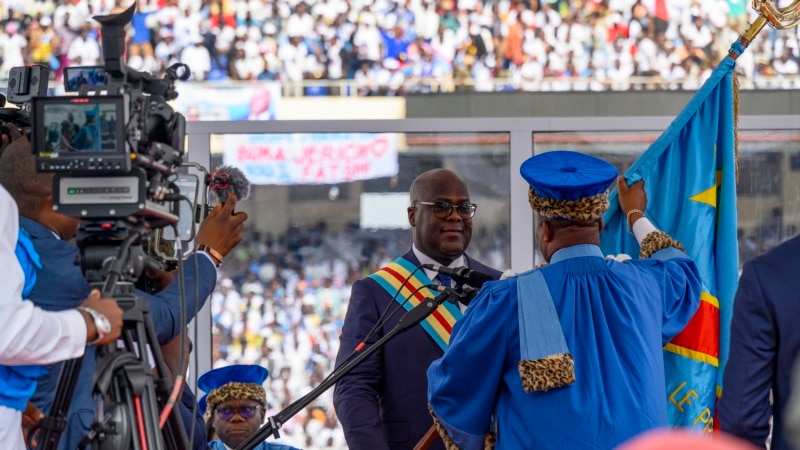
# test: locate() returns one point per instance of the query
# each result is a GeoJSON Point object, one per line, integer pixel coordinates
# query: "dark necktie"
{"type": "Point", "coordinates": [445, 280]}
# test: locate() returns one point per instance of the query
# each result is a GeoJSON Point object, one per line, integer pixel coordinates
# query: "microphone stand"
{"type": "Point", "coordinates": [411, 318]}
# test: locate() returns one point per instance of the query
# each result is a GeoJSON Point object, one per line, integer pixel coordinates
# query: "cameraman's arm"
{"type": "Point", "coordinates": [29, 334]}
{"type": "Point", "coordinates": [171, 352]}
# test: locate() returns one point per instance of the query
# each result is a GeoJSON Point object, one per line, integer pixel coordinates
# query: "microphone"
{"type": "Point", "coordinates": [228, 179]}
{"type": "Point", "coordinates": [462, 275]}
{"type": "Point", "coordinates": [439, 288]}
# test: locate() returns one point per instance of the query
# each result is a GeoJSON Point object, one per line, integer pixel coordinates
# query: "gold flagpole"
{"type": "Point", "coordinates": [768, 13]}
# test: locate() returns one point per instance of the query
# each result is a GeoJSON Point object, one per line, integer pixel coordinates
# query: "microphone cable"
{"type": "Point", "coordinates": [387, 314]}
{"type": "Point", "coordinates": [382, 320]}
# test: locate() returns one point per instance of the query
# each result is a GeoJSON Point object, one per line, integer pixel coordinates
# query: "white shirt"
{"type": "Point", "coordinates": [30, 335]}
{"type": "Point", "coordinates": [198, 59]}
{"type": "Point", "coordinates": [84, 51]}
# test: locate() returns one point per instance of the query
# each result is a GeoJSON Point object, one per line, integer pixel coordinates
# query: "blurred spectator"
{"type": "Point", "coordinates": [167, 51]}
{"type": "Point", "coordinates": [84, 49]}
{"type": "Point", "coordinates": [198, 57]}
{"type": "Point", "coordinates": [11, 44]}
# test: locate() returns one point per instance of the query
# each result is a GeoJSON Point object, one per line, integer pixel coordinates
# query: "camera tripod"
{"type": "Point", "coordinates": [122, 374]}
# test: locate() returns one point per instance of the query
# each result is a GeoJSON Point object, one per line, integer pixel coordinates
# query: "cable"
{"type": "Point", "coordinates": [176, 388]}
{"type": "Point", "coordinates": [137, 404]}
{"type": "Point", "coordinates": [384, 318]}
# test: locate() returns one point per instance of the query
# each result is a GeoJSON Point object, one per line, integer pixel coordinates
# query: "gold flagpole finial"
{"type": "Point", "coordinates": [768, 13]}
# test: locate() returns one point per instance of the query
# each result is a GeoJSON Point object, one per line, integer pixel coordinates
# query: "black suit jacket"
{"type": "Point", "coordinates": [382, 403]}
{"type": "Point", "coordinates": [765, 340]}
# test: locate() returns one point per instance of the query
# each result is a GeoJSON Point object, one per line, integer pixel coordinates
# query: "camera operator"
{"type": "Point", "coordinates": [61, 284]}
{"type": "Point", "coordinates": [33, 336]}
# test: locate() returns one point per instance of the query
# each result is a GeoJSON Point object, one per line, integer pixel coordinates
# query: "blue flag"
{"type": "Point", "coordinates": [690, 180]}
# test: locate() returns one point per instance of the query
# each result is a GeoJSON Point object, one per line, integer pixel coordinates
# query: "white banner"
{"type": "Point", "coordinates": [317, 158]}
{"type": "Point", "coordinates": [208, 101]}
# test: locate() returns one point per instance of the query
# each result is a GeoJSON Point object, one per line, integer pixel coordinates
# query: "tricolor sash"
{"type": "Point", "coordinates": [400, 276]}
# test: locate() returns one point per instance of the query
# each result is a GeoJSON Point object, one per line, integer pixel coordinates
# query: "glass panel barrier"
{"type": "Point", "coordinates": [310, 242]}
{"type": "Point", "coordinates": [283, 294]}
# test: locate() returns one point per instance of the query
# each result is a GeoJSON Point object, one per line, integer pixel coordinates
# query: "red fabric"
{"type": "Point", "coordinates": [661, 10]}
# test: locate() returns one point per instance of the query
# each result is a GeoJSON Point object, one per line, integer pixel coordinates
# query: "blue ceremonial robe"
{"type": "Point", "coordinates": [615, 316]}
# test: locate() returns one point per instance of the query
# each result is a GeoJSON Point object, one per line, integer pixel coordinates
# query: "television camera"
{"type": "Point", "coordinates": [114, 146]}
{"type": "Point", "coordinates": [114, 149]}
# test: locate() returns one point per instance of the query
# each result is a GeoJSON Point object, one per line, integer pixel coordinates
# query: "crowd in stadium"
{"type": "Point", "coordinates": [392, 47]}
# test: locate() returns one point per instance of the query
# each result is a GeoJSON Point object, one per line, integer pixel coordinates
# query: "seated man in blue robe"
{"type": "Point", "coordinates": [235, 405]}
{"type": "Point", "coordinates": [568, 355]}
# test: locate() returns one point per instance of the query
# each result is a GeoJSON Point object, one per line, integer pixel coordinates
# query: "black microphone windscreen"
{"type": "Point", "coordinates": [477, 279]}
{"type": "Point", "coordinates": [462, 274]}
{"type": "Point", "coordinates": [229, 179]}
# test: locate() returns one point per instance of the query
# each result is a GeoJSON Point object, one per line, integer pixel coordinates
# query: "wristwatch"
{"type": "Point", "coordinates": [101, 323]}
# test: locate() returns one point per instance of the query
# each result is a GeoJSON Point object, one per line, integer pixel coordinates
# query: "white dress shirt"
{"type": "Point", "coordinates": [30, 335]}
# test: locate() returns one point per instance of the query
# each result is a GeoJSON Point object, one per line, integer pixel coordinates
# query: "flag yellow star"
{"type": "Point", "coordinates": [709, 196]}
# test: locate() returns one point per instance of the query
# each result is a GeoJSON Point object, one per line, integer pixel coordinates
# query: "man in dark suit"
{"type": "Point", "coordinates": [60, 284]}
{"type": "Point", "coordinates": [382, 402]}
{"type": "Point", "coordinates": [764, 345]}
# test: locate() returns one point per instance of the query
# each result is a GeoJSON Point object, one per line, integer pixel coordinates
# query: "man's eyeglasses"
{"type": "Point", "coordinates": [226, 413]}
{"type": "Point", "coordinates": [443, 210]}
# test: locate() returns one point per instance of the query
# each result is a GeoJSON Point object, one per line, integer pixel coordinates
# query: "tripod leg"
{"type": "Point", "coordinates": [54, 424]}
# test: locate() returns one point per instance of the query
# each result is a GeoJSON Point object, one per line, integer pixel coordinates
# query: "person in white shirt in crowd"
{"type": "Point", "coordinates": [366, 83]}
{"type": "Point", "coordinates": [390, 78]}
{"type": "Point", "coordinates": [444, 43]}
{"type": "Point", "coordinates": [11, 44]}
{"type": "Point", "coordinates": [301, 22]}
{"type": "Point", "coordinates": [84, 50]}
{"type": "Point", "coordinates": [675, 74]}
{"type": "Point", "coordinates": [787, 42]}
{"type": "Point", "coordinates": [619, 76]}
{"type": "Point", "coordinates": [198, 58]}
{"type": "Point", "coordinates": [185, 25]}
{"type": "Point", "coordinates": [292, 55]}
{"type": "Point", "coordinates": [168, 14]}
{"type": "Point", "coordinates": [75, 13]}
{"type": "Point", "coordinates": [699, 34]}
{"type": "Point", "coordinates": [367, 38]}
{"type": "Point", "coordinates": [167, 51]}
{"type": "Point", "coordinates": [787, 66]}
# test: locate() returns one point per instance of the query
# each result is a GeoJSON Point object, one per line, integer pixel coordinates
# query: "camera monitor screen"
{"type": "Point", "coordinates": [81, 125]}
{"type": "Point", "coordinates": [76, 76]}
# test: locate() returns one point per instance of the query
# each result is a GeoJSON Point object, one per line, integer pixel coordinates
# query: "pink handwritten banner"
{"type": "Point", "coordinates": [321, 158]}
